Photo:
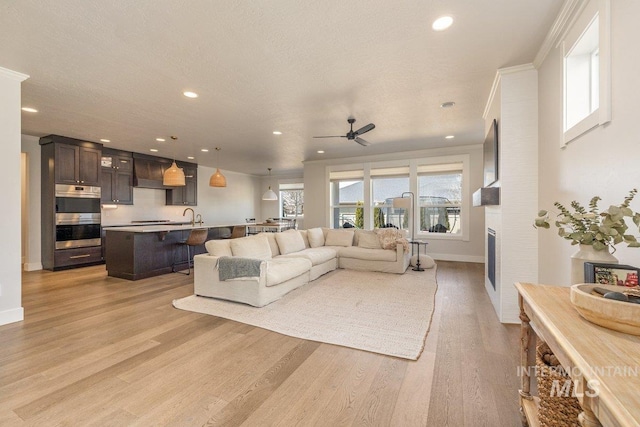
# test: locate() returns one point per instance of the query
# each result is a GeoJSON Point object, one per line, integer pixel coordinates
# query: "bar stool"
{"type": "Point", "coordinates": [197, 237]}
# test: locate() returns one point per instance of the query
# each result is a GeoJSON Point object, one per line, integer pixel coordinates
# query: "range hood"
{"type": "Point", "coordinates": [148, 171]}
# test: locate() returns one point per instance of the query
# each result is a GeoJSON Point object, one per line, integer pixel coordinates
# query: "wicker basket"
{"type": "Point", "coordinates": [559, 409]}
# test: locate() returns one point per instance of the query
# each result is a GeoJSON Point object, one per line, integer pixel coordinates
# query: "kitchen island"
{"type": "Point", "coordinates": [138, 252]}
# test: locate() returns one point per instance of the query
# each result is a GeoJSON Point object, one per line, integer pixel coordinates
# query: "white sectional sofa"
{"type": "Point", "coordinates": [294, 258]}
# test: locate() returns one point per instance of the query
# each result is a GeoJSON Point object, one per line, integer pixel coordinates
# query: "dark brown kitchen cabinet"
{"type": "Point", "coordinates": [76, 164]}
{"type": "Point", "coordinates": [187, 195]}
{"type": "Point", "coordinates": [117, 177]}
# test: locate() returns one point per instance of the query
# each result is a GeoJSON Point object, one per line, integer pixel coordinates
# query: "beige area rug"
{"type": "Point", "coordinates": [378, 312]}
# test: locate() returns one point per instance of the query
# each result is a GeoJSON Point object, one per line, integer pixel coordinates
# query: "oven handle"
{"type": "Point", "coordinates": [77, 222]}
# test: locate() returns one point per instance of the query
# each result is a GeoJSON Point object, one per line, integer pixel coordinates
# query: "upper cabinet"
{"type": "Point", "coordinates": [187, 195]}
{"type": "Point", "coordinates": [117, 177]}
{"type": "Point", "coordinates": [77, 164]}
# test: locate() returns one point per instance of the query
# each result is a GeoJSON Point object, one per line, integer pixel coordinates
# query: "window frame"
{"type": "Point", "coordinates": [413, 164]}
{"type": "Point", "coordinates": [600, 9]}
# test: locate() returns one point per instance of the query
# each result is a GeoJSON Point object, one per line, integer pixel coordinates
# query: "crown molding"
{"type": "Point", "coordinates": [564, 20]}
{"type": "Point", "coordinates": [496, 82]}
{"type": "Point", "coordinates": [13, 75]}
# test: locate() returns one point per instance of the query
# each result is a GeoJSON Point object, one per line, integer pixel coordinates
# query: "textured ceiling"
{"type": "Point", "coordinates": [117, 70]}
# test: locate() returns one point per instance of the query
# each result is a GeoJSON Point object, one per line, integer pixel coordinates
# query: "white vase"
{"type": "Point", "coordinates": [586, 253]}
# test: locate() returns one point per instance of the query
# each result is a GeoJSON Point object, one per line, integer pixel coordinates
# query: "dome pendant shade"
{"type": "Point", "coordinates": [174, 176]}
{"type": "Point", "coordinates": [217, 179]}
{"type": "Point", "coordinates": [269, 195]}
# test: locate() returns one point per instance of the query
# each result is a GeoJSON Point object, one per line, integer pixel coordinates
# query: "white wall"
{"type": "Point", "coordinates": [603, 161]}
{"type": "Point", "coordinates": [10, 279]}
{"type": "Point", "coordinates": [31, 217]}
{"type": "Point", "coordinates": [515, 104]}
{"type": "Point", "coordinates": [316, 190]}
{"type": "Point", "coordinates": [240, 199]}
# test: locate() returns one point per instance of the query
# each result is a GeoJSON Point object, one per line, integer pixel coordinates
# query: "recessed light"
{"type": "Point", "coordinates": [105, 140]}
{"type": "Point", "coordinates": [442, 23]}
{"type": "Point", "coordinates": [277, 132]}
{"type": "Point", "coordinates": [320, 151]}
{"type": "Point", "coordinates": [449, 136]}
{"type": "Point", "coordinates": [190, 94]}
{"type": "Point", "coordinates": [204, 150]}
{"type": "Point", "coordinates": [155, 150]}
{"type": "Point", "coordinates": [160, 139]}
{"type": "Point", "coordinates": [447, 104]}
{"type": "Point", "coordinates": [29, 110]}
{"type": "Point", "coordinates": [190, 157]}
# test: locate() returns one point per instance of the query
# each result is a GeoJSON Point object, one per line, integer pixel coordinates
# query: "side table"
{"type": "Point", "coordinates": [418, 243]}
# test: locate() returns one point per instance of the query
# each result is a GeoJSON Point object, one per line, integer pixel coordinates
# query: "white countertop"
{"type": "Point", "coordinates": [165, 227]}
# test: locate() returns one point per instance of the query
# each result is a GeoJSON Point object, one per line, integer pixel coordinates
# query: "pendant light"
{"type": "Point", "coordinates": [269, 194]}
{"type": "Point", "coordinates": [174, 176]}
{"type": "Point", "coordinates": [217, 179]}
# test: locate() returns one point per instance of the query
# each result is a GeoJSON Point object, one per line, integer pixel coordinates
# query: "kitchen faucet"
{"type": "Point", "coordinates": [193, 216]}
{"type": "Point", "coordinates": [199, 219]}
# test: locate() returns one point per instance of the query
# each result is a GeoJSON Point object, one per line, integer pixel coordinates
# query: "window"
{"type": "Point", "coordinates": [386, 184]}
{"type": "Point", "coordinates": [291, 200]}
{"type": "Point", "coordinates": [361, 195]}
{"type": "Point", "coordinates": [347, 195]}
{"type": "Point", "coordinates": [440, 198]}
{"type": "Point", "coordinates": [586, 71]}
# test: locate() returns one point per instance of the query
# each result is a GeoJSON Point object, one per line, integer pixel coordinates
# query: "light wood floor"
{"type": "Point", "coordinates": [99, 351]}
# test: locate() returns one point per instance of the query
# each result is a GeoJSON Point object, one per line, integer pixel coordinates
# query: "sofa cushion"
{"type": "Point", "coordinates": [290, 241]}
{"type": "Point", "coordinates": [368, 240]}
{"type": "Point", "coordinates": [281, 269]}
{"type": "Point", "coordinates": [316, 255]}
{"type": "Point", "coordinates": [305, 238]}
{"type": "Point", "coordinates": [271, 238]}
{"type": "Point", "coordinates": [251, 247]}
{"type": "Point", "coordinates": [339, 238]}
{"type": "Point", "coordinates": [368, 254]}
{"type": "Point", "coordinates": [316, 237]}
{"type": "Point", "coordinates": [218, 247]}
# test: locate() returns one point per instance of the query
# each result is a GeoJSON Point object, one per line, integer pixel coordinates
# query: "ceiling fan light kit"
{"type": "Point", "coordinates": [269, 194]}
{"type": "Point", "coordinates": [217, 179]}
{"type": "Point", "coordinates": [353, 135]}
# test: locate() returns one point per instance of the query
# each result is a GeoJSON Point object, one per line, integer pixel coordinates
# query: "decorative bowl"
{"type": "Point", "coordinates": [611, 314]}
{"type": "Point", "coordinates": [271, 220]}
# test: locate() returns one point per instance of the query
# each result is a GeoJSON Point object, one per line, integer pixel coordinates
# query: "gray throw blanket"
{"type": "Point", "coordinates": [234, 267]}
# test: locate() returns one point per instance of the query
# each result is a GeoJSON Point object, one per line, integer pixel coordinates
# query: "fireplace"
{"type": "Point", "coordinates": [491, 256]}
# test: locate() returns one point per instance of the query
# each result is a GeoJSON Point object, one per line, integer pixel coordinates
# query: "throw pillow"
{"type": "Point", "coordinates": [256, 247]}
{"type": "Point", "coordinates": [339, 238]}
{"type": "Point", "coordinates": [316, 237]}
{"type": "Point", "coordinates": [218, 247]}
{"type": "Point", "coordinates": [290, 241]}
{"type": "Point", "coordinates": [369, 240]}
{"type": "Point", "coordinates": [305, 238]}
{"type": "Point", "coordinates": [271, 238]}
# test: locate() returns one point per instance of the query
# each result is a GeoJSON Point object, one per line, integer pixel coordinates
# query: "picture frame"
{"type": "Point", "coordinates": [611, 274]}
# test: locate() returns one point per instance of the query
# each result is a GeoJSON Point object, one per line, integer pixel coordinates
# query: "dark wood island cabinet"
{"type": "Point", "coordinates": [135, 253]}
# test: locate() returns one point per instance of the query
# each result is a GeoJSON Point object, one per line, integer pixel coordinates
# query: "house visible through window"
{"type": "Point", "coordinates": [440, 198]}
{"type": "Point", "coordinates": [347, 195]}
{"type": "Point", "coordinates": [363, 198]}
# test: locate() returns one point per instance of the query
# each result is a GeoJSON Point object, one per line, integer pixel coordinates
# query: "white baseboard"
{"type": "Point", "coordinates": [32, 266]}
{"type": "Point", "coordinates": [11, 316]}
{"type": "Point", "coordinates": [456, 257]}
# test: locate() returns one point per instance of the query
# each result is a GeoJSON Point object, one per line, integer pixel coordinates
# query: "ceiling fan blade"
{"type": "Point", "coordinates": [365, 129]}
{"type": "Point", "coordinates": [361, 141]}
{"type": "Point", "coordinates": [331, 136]}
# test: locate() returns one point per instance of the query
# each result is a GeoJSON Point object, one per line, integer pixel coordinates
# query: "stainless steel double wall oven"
{"type": "Point", "coordinates": [77, 216]}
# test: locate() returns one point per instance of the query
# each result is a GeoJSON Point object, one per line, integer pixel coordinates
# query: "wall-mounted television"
{"type": "Point", "coordinates": [490, 155]}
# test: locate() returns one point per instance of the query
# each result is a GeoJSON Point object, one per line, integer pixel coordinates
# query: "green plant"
{"type": "Point", "coordinates": [359, 215]}
{"type": "Point", "coordinates": [378, 218]}
{"type": "Point", "coordinates": [602, 230]}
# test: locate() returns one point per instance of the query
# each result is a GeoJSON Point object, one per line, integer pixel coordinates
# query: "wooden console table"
{"type": "Point", "coordinates": [603, 364]}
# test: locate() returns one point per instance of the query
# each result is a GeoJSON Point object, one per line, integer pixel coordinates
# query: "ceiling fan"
{"type": "Point", "coordinates": [353, 135]}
